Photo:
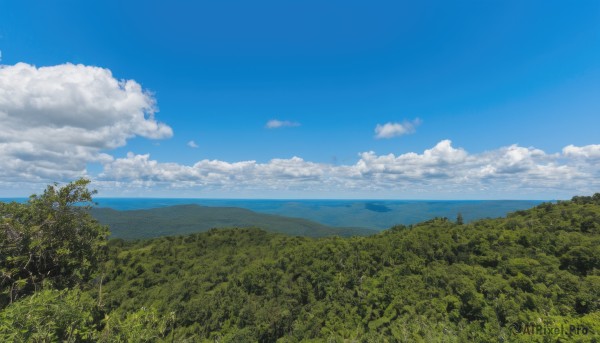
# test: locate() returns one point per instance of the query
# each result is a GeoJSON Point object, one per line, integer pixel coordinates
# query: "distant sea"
{"type": "Point", "coordinates": [376, 214]}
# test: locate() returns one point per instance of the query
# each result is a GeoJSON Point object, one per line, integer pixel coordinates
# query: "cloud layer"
{"type": "Point", "coordinates": [442, 169]}
{"type": "Point", "coordinates": [56, 119]}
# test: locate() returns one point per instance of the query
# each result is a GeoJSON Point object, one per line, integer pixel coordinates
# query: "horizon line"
{"type": "Point", "coordinates": [306, 199]}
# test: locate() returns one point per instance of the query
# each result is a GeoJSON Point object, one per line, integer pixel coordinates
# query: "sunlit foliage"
{"type": "Point", "coordinates": [490, 280]}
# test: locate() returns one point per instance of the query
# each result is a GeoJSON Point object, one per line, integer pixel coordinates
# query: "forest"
{"type": "Point", "coordinates": [532, 276]}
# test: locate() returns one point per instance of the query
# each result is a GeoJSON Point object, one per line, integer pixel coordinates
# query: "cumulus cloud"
{"type": "Point", "coordinates": [275, 124]}
{"type": "Point", "coordinates": [389, 130]}
{"type": "Point", "coordinates": [213, 172]}
{"type": "Point", "coordinates": [588, 151]}
{"type": "Point", "coordinates": [432, 162]}
{"type": "Point", "coordinates": [440, 169]}
{"type": "Point", "coordinates": [192, 144]}
{"type": "Point", "coordinates": [57, 119]}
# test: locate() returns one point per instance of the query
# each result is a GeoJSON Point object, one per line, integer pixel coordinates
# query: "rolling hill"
{"type": "Point", "coordinates": [186, 219]}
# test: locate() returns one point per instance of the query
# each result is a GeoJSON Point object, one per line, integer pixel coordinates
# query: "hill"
{"type": "Point", "coordinates": [186, 219]}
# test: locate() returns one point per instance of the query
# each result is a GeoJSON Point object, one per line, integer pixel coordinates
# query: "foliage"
{"type": "Point", "coordinates": [492, 280]}
{"type": "Point", "coordinates": [52, 239]}
{"type": "Point", "coordinates": [49, 316]}
{"type": "Point", "coordinates": [73, 316]}
{"type": "Point", "coordinates": [143, 325]}
{"type": "Point", "coordinates": [436, 281]}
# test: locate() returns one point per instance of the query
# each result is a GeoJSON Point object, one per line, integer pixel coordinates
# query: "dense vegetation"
{"type": "Point", "coordinates": [186, 219]}
{"type": "Point", "coordinates": [49, 241]}
{"type": "Point", "coordinates": [438, 281]}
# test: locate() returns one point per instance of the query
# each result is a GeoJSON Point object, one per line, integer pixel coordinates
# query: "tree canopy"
{"type": "Point", "coordinates": [492, 280]}
{"type": "Point", "coordinates": [51, 239]}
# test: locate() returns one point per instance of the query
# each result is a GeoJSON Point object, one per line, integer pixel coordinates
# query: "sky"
{"type": "Point", "coordinates": [302, 99]}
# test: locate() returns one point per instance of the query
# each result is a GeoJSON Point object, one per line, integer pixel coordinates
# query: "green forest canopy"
{"type": "Point", "coordinates": [438, 281]}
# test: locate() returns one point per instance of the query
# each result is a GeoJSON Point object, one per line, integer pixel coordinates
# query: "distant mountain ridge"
{"type": "Point", "coordinates": [373, 214]}
{"type": "Point", "coordinates": [186, 219]}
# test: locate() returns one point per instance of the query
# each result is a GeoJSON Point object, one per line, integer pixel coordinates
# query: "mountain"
{"type": "Point", "coordinates": [186, 219]}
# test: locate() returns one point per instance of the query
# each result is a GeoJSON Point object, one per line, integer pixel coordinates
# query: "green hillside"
{"type": "Point", "coordinates": [533, 276]}
{"type": "Point", "coordinates": [186, 219]}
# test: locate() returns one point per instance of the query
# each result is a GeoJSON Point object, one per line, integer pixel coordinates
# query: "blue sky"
{"type": "Point", "coordinates": [495, 91]}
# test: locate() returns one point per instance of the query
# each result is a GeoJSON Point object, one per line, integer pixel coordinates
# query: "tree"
{"type": "Point", "coordinates": [51, 239]}
{"type": "Point", "coordinates": [459, 219]}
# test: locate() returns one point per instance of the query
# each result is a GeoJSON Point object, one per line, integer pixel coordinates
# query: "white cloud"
{"type": "Point", "coordinates": [442, 169]}
{"type": "Point", "coordinates": [213, 172]}
{"type": "Point", "coordinates": [275, 124]}
{"type": "Point", "coordinates": [192, 144]}
{"type": "Point", "coordinates": [389, 130]}
{"type": "Point", "coordinates": [433, 162]}
{"type": "Point", "coordinates": [588, 151]}
{"type": "Point", "coordinates": [56, 119]}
